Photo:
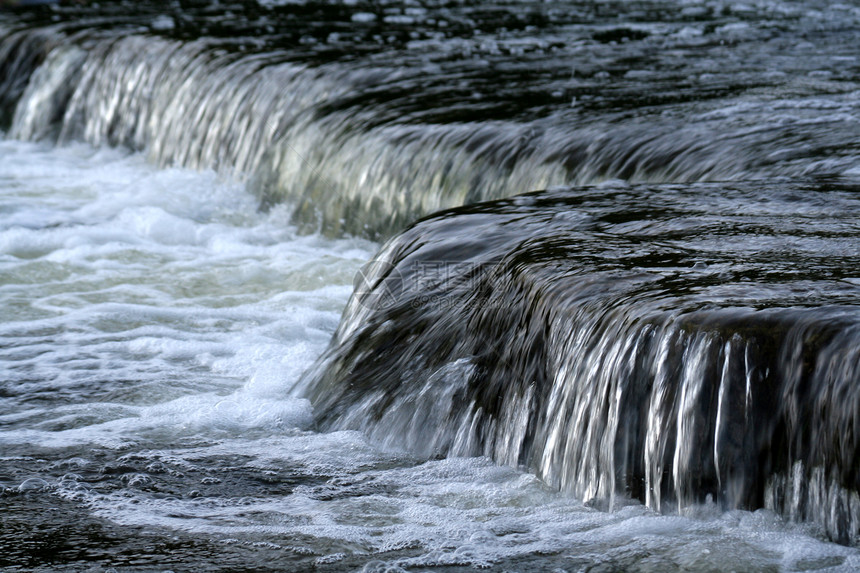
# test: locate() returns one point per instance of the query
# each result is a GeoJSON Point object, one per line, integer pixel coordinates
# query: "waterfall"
{"type": "Point", "coordinates": [672, 319]}
{"type": "Point", "coordinates": [614, 350]}
{"type": "Point", "coordinates": [303, 136]}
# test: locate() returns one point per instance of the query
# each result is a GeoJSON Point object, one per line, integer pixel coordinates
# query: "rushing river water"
{"type": "Point", "coordinates": [652, 366]}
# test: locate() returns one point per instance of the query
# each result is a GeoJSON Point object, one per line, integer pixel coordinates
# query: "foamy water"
{"type": "Point", "coordinates": [154, 325]}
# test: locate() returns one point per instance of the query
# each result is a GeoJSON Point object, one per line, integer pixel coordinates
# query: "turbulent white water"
{"type": "Point", "coordinates": [140, 301]}
{"type": "Point", "coordinates": [154, 323]}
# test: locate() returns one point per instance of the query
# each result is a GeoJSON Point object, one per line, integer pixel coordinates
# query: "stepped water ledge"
{"type": "Point", "coordinates": [704, 347]}
{"type": "Point", "coordinates": [361, 134]}
{"type": "Point", "coordinates": [673, 320]}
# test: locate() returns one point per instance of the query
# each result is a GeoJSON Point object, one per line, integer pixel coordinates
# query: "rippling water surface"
{"type": "Point", "coordinates": [187, 190]}
{"type": "Point", "coordinates": [155, 325]}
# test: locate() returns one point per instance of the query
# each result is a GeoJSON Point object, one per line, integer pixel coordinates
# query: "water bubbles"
{"type": "Point", "coordinates": [330, 558]}
{"type": "Point", "coordinates": [33, 485]}
{"type": "Point", "coordinates": [135, 479]}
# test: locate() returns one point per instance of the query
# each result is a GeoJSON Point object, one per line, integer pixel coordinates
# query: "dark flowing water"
{"type": "Point", "coordinates": [676, 343]}
{"type": "Point", "coordinates": [652, 365]}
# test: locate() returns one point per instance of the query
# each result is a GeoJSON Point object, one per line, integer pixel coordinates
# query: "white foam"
{"type": "Point", "coordinates": [165, 290]}
{"type": "Point", "coordinates": [467, 512]}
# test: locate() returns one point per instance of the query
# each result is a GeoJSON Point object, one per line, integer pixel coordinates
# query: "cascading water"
{"type": "Point", "coordinates": [671, 353]}
{"type": "Point", "coordinates": [357, 149]}
{"type": "Point", "coordinates": [669, 333]}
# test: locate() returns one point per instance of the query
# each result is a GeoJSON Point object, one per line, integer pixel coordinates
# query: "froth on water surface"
{"type": "Point", "coordinates": [330, 502]}
{"type": "Point", "coordinates": [156, 324]}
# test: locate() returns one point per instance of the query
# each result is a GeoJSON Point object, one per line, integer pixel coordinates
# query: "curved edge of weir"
{"type": "Point", "coordinates": [294, 131]}
{"type": "Point", "coordinates": [614, 351]}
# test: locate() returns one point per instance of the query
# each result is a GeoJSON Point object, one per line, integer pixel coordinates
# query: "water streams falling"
{"type": "Point", "coordinates": [366, 147]}
{"type": "Point", "coordinates": [674, 353]}
{"type": "Point", "coordinates": [674, 322]}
